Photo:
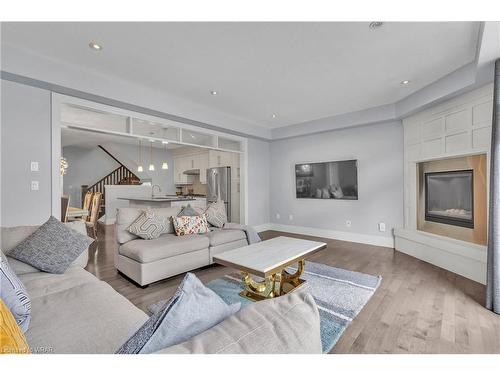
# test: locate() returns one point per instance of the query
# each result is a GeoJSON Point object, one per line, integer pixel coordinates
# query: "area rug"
{"type": "Point", "coordinates": [339, 294]}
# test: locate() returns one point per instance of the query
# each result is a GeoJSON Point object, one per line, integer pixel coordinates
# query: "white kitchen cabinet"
{"type": "Point", "coordinates": [182, 164]}
{"type": "Point", "coordinates": [203, 165]}
{"type": "Point", "coordinates": [220, 159]}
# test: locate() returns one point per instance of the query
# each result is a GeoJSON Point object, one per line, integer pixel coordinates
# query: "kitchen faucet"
{"type": "Point", "coordinates": [153, 190]}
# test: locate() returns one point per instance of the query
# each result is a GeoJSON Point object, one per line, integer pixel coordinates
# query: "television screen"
{"type": "Point", "coordinates": [327, 180]}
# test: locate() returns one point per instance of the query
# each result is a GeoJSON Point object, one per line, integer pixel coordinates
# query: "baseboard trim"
{"type": "Point", "coordinates": [328, 233]}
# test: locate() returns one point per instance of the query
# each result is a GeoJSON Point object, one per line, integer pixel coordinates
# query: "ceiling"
{"type": "Point", "coordinates": [298, 71]}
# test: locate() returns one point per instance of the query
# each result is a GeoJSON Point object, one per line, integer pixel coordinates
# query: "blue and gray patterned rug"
{"type": "Point", "coordinates": [339, 294]}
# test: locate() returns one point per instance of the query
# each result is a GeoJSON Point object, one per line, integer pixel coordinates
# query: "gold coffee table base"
{"type": "Point", "coordinates": [272, 286]}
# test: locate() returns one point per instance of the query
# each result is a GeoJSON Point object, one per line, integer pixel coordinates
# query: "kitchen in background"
{"type": "Point", "coordinates": [192, 170]}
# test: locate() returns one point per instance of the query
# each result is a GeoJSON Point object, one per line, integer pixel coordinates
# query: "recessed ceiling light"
{"type": "Point", "coordinates": [405, 82]}
{"type": "Point", "coordinates": [274, 115]}
{"type": "Point", "coordinates": [164, 142]}
{"type": "Point", "coordinates": [213, 92]}
{"type": "Point", "coordinates": [95, 46]}
{"type": "Point", "coordinates": [375, 25]}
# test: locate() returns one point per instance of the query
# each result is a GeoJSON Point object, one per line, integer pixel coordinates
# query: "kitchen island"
{"type": "Point", "coordinates": [155, 202]}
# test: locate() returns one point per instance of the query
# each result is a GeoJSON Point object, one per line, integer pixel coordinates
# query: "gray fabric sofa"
{"type": "Point", "coordinates": [147, 261]}
{"type": "Point", "coordinates": [77, 313]}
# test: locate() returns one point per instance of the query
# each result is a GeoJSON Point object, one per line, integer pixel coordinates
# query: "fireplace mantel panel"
{"type": "Point", "coordinates": [458, 127]}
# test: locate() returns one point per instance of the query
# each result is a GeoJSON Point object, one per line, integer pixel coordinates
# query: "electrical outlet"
{"type": "Point", "coordinates": [290, 217]}
{"type": "Point", "coordinates": [34, 185]}
{"type": "Point", "coordinates": [278, 216]}
{"type": "Point", "coordinates": [381, 227]}
{"type": "Point", "coordinates": [348, 223]}
{"type": "Point", "coordinates": [34, 166]}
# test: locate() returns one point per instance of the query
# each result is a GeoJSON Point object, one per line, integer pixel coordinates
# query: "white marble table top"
{"type": "Point", "coordinates": [270, 256]}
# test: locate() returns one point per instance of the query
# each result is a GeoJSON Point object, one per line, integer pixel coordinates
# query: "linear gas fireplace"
{"type": "Point", "coordinates": [449, 197]}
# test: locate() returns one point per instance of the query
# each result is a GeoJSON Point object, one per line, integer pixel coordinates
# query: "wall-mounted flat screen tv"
{"type": "Point", "coordinates": [327, 180]}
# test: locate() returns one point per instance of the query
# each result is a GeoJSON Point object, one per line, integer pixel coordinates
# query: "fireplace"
{"type": "Point", "coordinates": [449, 197]}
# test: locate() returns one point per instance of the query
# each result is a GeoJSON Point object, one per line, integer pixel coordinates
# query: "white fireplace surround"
{"type": "Point", "coordinates": [458, 127]}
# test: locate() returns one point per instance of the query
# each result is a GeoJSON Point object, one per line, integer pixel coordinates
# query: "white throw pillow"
{"type": "Point", "coordinates": [148, 225]}
{"type": "Point", "coordinates": [216, 214]}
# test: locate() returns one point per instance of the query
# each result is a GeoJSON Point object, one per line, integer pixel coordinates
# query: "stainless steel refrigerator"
{"type": "Point", "coordinates": [219, 187]}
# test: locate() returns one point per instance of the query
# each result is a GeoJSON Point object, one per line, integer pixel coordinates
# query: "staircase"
{"type": "Point", "coordinates": [120, 176]}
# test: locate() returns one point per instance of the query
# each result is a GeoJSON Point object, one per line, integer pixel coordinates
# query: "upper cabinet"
{"type": "Point", "coordinates": [182, 164]}
{"type": "Point", "coordinates": [203, 160]}
{"type": "Point", "coordinates": [219, 159]}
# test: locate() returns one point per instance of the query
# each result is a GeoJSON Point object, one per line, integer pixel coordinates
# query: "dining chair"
{"type": "Point", "coordinates": [95, 207]}
{"type": "Point", "coordinates": [87, 200]}
{"type": "Point", "coordinates": [64, 208]}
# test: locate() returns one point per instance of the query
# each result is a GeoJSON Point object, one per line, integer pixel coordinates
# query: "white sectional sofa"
{"type": "Point", "coordinates": [77, 313]}
{"type": "Point", "coordinates": [147, 261]}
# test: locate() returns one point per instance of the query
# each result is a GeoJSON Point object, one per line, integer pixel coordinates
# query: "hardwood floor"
{"type": "Point", "coordinates": [418, 308]}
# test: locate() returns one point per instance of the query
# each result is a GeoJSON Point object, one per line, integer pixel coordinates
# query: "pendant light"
{"type": "Point", "coordinates": [165, 163]}
{"type": "Point", "coordinates": [139, 167]}
{"type": "Point", "coordinates": [151, 165]}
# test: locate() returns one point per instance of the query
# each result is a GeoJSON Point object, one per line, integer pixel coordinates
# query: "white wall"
{"type": "Point", "coordinates": [128, 155]}
{"type": "Point", "coordinates": [379, 151]}
{"type": "Point", "coordinates": [87, 166]}
{"type": "Point", "coordinates": [258, 182]}
{"type": "Point", "coordinates": [25, 133]}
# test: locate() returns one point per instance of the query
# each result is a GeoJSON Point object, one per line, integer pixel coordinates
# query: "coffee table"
{"type": "Point", "coordinates": [268, 259]}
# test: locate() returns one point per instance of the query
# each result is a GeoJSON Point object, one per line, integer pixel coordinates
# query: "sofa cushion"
{"type": "Point", "coordinates": [193, 309]}
{"type": "Point", "coordinates": [42, 283]}
{"type": "Point", "coordinates": [166, 246]}
{"type": "Point", "coordinates": [222, 236]}
{"type": "Point", "coordinates": [285, 325]}
{"type": "Point", "coordinates": [13, 236]}
{"type": "Point", "coordinates": [127, 215]}
{"type": "Point", "coordinates": [84, 315]}
{"type": "Point", "coordinates": [61, 246]}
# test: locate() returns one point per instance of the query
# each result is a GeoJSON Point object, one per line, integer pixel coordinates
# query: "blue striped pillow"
{"type": "Point", "coordinates": [14, 294]}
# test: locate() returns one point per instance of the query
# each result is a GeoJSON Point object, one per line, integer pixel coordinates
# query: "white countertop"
{"type": "Point", "coordinates": [158, 199]}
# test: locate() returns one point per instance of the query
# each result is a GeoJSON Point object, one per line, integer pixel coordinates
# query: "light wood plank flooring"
{"type": "Point", "coordinates": [418, 308]}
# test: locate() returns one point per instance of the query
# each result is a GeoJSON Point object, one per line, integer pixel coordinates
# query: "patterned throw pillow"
{"type": "Point", "coordinates": [52, 247]}
{"type": "Point", "coordinates": [216, 214]}
{"type": "Point", "coordinates": [14, 294]}
{"type": "Point", "coordinates": [148, 225]}
{"type": "Point", "coordinates": [190, 225]}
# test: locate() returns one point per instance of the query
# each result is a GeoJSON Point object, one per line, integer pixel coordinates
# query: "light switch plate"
{"type": "Point", "coordinates": [34, 166]}
{"type": "Point", "coordinates": [34, 186]}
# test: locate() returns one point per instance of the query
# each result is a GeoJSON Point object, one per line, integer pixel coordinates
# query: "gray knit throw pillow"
{"type": "Point", "coordinates": [52, 247]}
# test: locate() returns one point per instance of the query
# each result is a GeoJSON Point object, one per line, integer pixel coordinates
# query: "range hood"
{"type": "Point", "coordinates": [192, 172]}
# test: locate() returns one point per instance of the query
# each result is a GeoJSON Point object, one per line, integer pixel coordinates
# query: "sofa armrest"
{"type": "Point", "coordinates": [287, 324]}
